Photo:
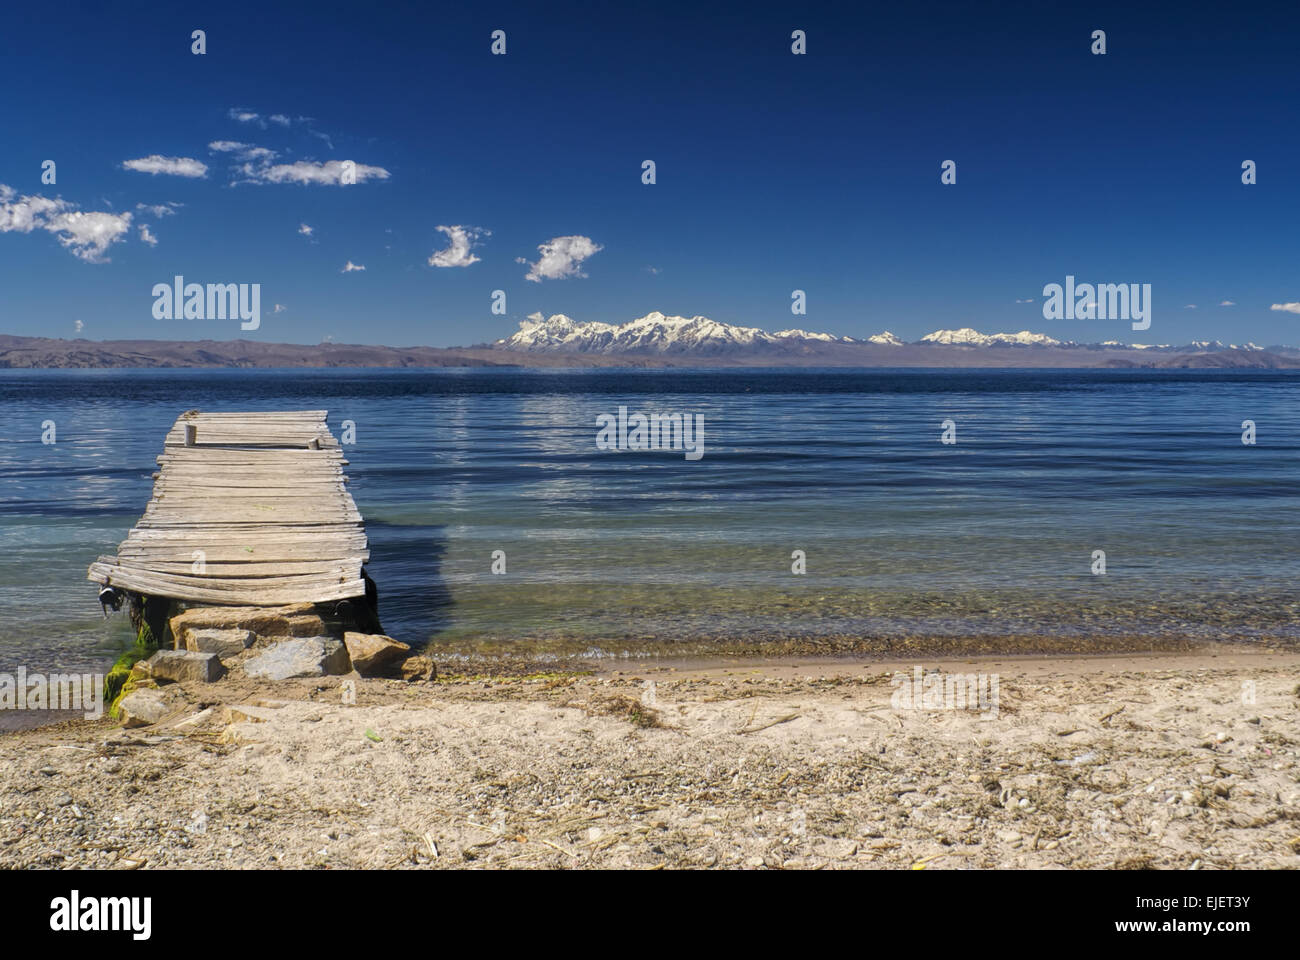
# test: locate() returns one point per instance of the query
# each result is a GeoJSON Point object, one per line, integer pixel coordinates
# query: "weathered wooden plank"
{"type": "Point", "coordinates": [250, 567]}
{"type": "Point", "coordinates": [226, 553]}
{"type": "Point", "coordinates": [236, 592]}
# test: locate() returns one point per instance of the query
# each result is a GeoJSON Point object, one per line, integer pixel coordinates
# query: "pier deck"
{"type": "Point", "coordinates": [247, 509]}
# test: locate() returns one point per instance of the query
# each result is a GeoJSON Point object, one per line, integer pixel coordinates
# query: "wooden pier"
{"type": "Point", "coordinates": [248, 509]}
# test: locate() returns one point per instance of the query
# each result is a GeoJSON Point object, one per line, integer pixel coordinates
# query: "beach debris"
{"type": "Point", "coordinates": [373, 653]}
{"type": "Point", "coordinates": [371, 735]}
{"type": "Point", "coordinates": [225, 642]}
{"type": "Point", "coordinates": [771, 723]}
{"type": "Point", "coordinates": [180, 665]}
{"type": "Point", "coordinates": [300, 657]}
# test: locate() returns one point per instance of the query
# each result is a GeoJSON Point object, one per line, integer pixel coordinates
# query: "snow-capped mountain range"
{"type": "Point", "coordinates": [656, 333]}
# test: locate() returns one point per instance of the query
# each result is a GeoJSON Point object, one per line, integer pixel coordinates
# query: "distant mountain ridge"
{"type": "Point", "coordinates": [656, 333]}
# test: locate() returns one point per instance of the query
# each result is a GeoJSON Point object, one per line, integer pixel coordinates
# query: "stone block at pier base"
{"type": "Point", "coordinates": [300, 657]}
{"type": "Point", "coordinates": [180, 665]}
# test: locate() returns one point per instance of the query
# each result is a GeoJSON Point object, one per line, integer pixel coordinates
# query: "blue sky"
{"type": "Point", "coordinates": [775, 172]}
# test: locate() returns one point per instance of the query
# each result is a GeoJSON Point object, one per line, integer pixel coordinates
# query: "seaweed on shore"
{"type": "Point", "coordinates": [117, 684]}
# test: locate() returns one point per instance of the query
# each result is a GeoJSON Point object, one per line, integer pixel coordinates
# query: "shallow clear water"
{"type": "Point", "coordinates": [630, 551]}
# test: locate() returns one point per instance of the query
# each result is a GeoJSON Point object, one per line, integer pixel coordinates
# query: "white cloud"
{"type": "Point", "coordinates": [246, 116]}
{"type": "Point", "coordinates": [560, 257]}
{"type": "Point", "coordinates": [146, 236]}
{"type": "Point", "coordinates": [653, 271]}
{"type": "Point", "coordinates": [1228, 303]}
{"type": "Point", "coordinates": [246, 151]}
{"type": "Point", "coordinates": [1026, 300]}
{"type": "Point", "coordinates": [350, 267]}
{"type": "Point", "coordinates": [458, 253]}
{"type": "Point", "coordinates": [1189, 306]}
{"type": "Point", "coordinates": [78, 326]}
{"type": "Point", "coordinates": [279, 308]}
{"type": "Point", "coordinates": [1287, 307]}
{"type": "Point", "coordinates": [310, 171]}
{"type": "Point", "coordinates": [172, 166]}
{"type": "Point", "coordinates": [279, 118]}
{"type": "Point", "coordinates": [304, 229]}
{"type": "Point", "coordinates": [158, 210]}
{"type": "Point", "coordinates": [86, 235]}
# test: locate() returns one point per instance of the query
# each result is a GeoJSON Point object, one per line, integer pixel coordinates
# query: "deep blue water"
{"type": "Point", "coordinates": [612, 551]}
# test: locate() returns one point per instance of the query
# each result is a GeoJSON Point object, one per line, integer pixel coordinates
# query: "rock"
{"type": "Point", "coordinates": [225, 642]}
{"type": "Point", "coordinates": [372, 653]}
{"type": "Point", "coordinates": [1008, 836]}
{"type": "Point", "coordinates": [300, 657]}
{"type": "Point", "coordinates": [418, 668]}
{"type": "Point", "coordinates": [179, 665]}
{"type": "Point", "coordinates": [244, 713]}
{"type": "Point", "coordinates": [305, 625]}
{"type": "Point", "coordinates": [139, 708]}
{"type": "Point", "coordinates": [202, 718]}
{"type": "Point", "coordinates": [294, 620]}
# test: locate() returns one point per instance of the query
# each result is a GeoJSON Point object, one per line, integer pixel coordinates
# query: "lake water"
{"type": "Point", "coordinates": [988, 542]}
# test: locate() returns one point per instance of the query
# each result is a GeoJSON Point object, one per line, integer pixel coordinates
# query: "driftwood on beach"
{"type": "Point", "coordinates": [248, 509]}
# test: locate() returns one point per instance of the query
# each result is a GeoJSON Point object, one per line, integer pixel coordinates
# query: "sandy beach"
{"type": "Point", "coordinates": [1133, 761]}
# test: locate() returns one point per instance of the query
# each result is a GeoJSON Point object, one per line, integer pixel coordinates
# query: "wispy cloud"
{"type": "Point", "coordinates": [146, 236]}
{"type": "Point", "coordinates": [458, 252]}
{"type": "Point", "coordinates": [246, 116]}
{"type": "Point", "coordinates": [1026, 300]}
{"type": "Point", "coordinates": [351, 267]}
{"type": "Point", "coordinates": [1189, 306]}
{"type": "Point", "coordinates": [1227, 303]}
{"type": "Point", "coordinates": [171, 166]}
{"type": "Point", "coordinates": [1286, 307]}
{"type": "Point", "coordinates": [279, 308]}
{"type": "Point", "coordinates": [86, 235]}
{"type": "Point", "coordinates": [243, 151]}
{"type": "Point", "coordinates": [560, 257]}
{"type": "Point", "coordinates": [329, 173]}
{"type": "Point", "coordinates": [304, 229]}
{"type": "Point", "coordinates": [158, 210]}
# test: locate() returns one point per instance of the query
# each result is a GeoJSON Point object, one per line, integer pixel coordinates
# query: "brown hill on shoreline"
{"type": "Point", "coordinates": [51, 353]}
